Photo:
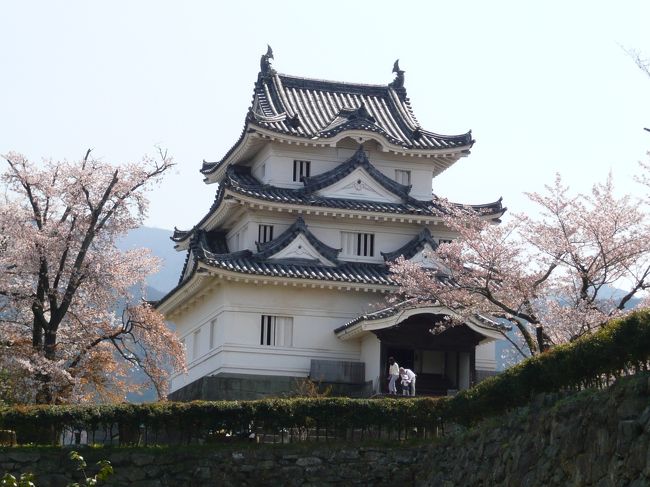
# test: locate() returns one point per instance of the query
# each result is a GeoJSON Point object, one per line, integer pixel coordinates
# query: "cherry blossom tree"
{"type": "Point", "coordinates": [550, 276]}
{"type": "Point", "coordinates": [61, 278]}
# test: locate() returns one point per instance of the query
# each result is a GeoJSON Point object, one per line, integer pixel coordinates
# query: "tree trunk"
{"type": "Point", "coordinates": [37, 335]}
{"type": "Point", "coordinates": [539, 335]}
{"type": "Point", "coordinates": [50, 344]}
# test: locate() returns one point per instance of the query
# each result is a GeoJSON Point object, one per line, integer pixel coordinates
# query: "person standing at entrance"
{"type": "Point", "coordinates": [393, 374]}
{"type": "Point", "coordinates": [408, 381]}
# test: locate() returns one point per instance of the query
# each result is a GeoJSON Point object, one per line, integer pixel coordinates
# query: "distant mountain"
{"type": "Point", "coordinates": [157, 240]}
{"type": "Point", "coordinates": [606, 292]}
{"type": "Point", "coordinates": [610, 292]}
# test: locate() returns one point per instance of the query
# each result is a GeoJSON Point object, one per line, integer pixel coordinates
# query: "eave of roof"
{"type": "Point", "coordinates": [210, 254]}
{"type": "Point", "coordinates": [239, 182]}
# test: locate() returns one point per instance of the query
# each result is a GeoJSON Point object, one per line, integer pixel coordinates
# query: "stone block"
{"type": "Point", "coordinates": [24, 456]}
{"type": "Point", "coordinates": [337, 371]}
{"type": "Point", "coordinates": [202, 473]}
{"type": "Point", "coordinates": [266, 465]}
{"type": "Point", "coordinates": [147, 483]}
{"type": "Point", "coordinates": [308, 461]}
{"type": "Point", "coordinates": [133, 473]}
{"type": "Point", "coordinates": [628, 431]}
{"type": "Point", "coordinates": [141, 459]}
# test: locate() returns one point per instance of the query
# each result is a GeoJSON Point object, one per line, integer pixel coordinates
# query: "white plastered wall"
{"type": "Point", "coordinates": [238, 308]}
{"type": "Point", "coordinates": [370, 355]}
{"type": "Point", "coordinates": [486, 356]}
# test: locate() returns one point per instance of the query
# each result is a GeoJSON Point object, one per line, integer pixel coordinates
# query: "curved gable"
{"type": "Point", "coordinates": [357, 178]}
{"type": "Point", "coordinates": [300, 249]}
{"type": "Point", "coordinates": [297, 242]}
{"type": "Point", "coordinates": [359, 185]}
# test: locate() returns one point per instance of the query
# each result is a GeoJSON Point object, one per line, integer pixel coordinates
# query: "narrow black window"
{"type": "Point", "coordinates": [276, 331]}
{"type": "Point", "coordinates": [301, 169]}
{"type": "Point", "coordinates": [265, 233]}
{"type": "Point", "coordinates": [267, 336]}
{"type": "Point", "coordinates": [360, 244]}
{"type": "Point", "coordinates": [366, 244]}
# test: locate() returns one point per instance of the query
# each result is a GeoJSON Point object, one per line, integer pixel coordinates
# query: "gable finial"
{"type": "Point", "coordinates": [398, 82]}
{"type": "Point", "coordinates": [265, 63]}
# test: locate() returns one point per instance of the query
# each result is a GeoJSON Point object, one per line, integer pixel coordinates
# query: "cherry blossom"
{"type": "Point", "coordinates": [549, 276]}
{"type": "Point", "coordinates": [62, 278]}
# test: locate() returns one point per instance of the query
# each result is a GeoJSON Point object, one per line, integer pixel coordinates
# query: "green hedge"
{"type": "Point", "coordinates": [622, 345]}
{"type": "Point", "coordinates": [180, 422]}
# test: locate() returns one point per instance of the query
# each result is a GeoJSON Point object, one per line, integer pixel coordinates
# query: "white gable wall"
{"type": "Point", "coordinates": [359, 185]}
{"type": "Point", "coordinates": [301, 248]}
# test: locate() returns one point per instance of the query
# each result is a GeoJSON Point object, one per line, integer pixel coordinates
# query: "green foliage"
{"type": "Point", "coordinates": [25, 480]}
{"type": "Point", "coordinates": [105, 471]}
{"type": "Point", "coordinates": [311, 388]}
{"type": "Point", "coordinates": [622, 345]}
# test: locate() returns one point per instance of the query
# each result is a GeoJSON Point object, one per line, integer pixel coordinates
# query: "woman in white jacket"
{"type": "Point", "coordinates": [393, 374]}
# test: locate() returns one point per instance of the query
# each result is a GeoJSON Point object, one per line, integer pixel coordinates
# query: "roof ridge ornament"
{"type": "Point", "coordinates": [265, 63]}
{"type": "Point", "coordinates": [360, 155]}
{"type": "Point", "coordinates": [358, 113]}
{"type": "Point", "coordinates": [398, 83]}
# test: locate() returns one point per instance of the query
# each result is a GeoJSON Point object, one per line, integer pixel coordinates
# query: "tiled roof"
{"type": "Point", "coordinates": [246, 262]}
{"type": "Point", "coordinates": [239, 180]}
{"type": "Point", "coordinates": [179, 235]}
{"type": "Point", "coordinates": [481, 320]}
{"type": "Point", "coordinates": [349, 272]}
{"type": "Point", "coordinates": [316, 109]}
{"type": "Point", "coordinates": [380, 314]}
{"type": "Point", "coordinates": [212, 249]}
{"type": "Point", "coordinates": [412, 247]}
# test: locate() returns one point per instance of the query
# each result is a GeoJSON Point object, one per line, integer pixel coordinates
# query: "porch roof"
{"type": "Point", "coordinates": [394, 315]}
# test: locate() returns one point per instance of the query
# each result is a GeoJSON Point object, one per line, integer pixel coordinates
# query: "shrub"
{"type": "Point", "coordinates": [620, 347]}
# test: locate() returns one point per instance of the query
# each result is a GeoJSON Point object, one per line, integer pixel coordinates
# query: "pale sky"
{"type": "Point", "coordinates": [545, 86]}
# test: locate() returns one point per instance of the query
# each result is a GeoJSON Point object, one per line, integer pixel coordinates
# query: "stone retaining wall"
{"type": "Point", "coordinates": [200, 467]}
{"type": "Point", "coordinates": [590, 439]}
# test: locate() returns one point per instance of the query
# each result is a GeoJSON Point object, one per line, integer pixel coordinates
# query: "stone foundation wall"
{"type": "Point", "coordinates": [237, 387]}
{"type": "Point", "coordinates": [201, 467]}
{"type": "Point", "coordinates": [594, 438]}
{"type": "Point", "coordinates": [589, 439]}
